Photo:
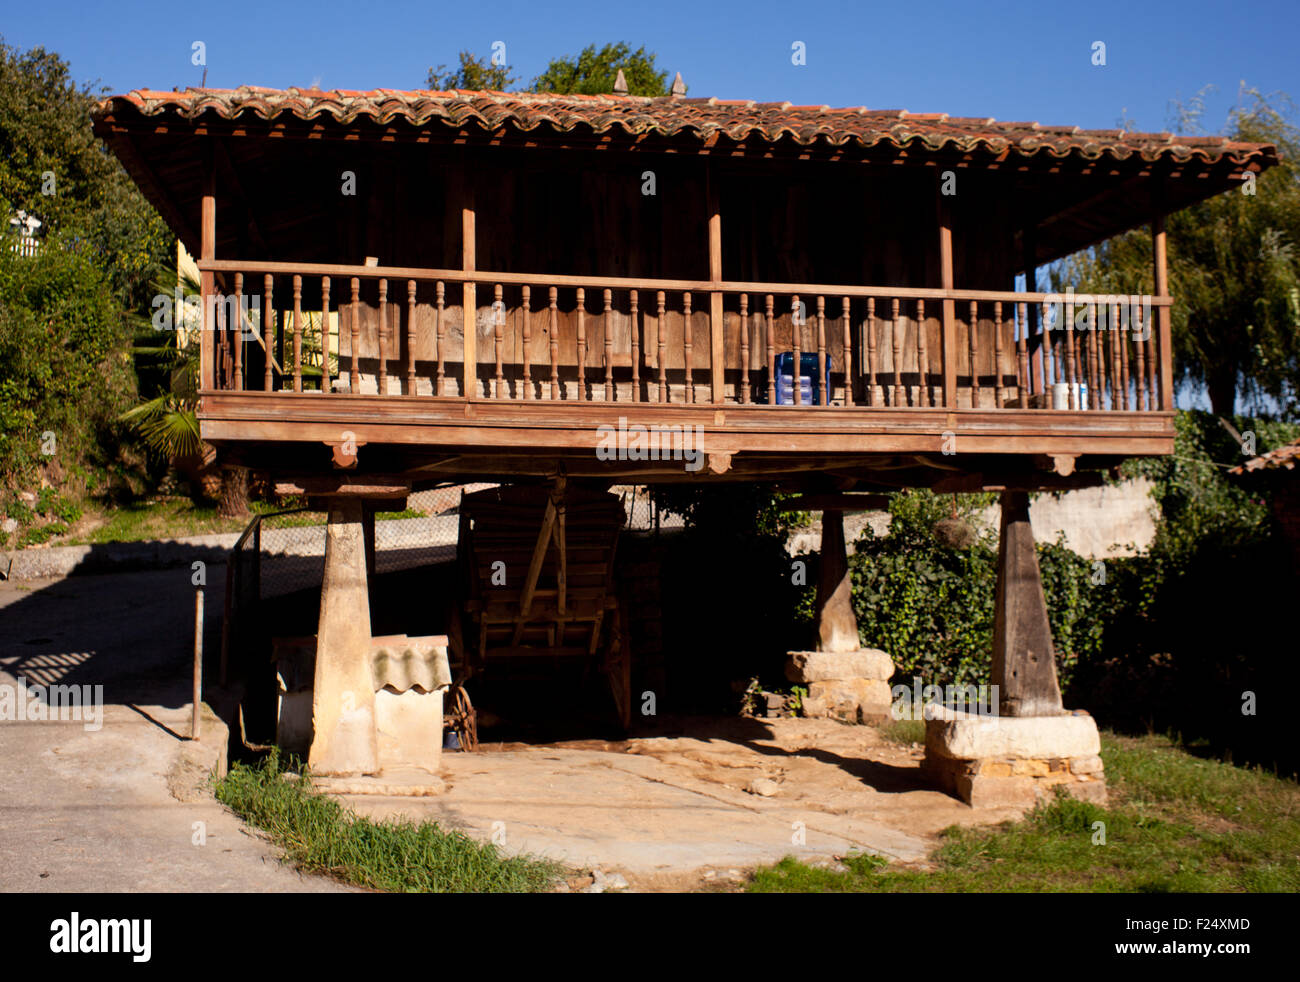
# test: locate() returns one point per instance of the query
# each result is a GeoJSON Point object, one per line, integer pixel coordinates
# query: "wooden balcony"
{"type": "Point", "coordinates": [383, 354]}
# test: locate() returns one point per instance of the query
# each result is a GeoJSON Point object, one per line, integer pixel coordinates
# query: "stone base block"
{"type": "Point", "coordinates": [1013, 762]}
{"type": "Point", "coordinates": [804, 667]}
{"type": "Point", "coordinates": [851, 700]}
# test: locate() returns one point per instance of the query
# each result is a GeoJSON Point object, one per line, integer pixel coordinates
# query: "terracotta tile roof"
{"type": "Point", "coordinates": [706, 119]}
{"type": "Point", "coordinates": [1283, 458]}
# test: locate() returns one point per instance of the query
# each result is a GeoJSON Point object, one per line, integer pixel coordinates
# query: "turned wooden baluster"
{"type": "Point", "coordinates": [1049, 359]}
{"type": "Point", "coordinates": [1022, 358]}
{"type": "Point", "coordinates": [440, 329]}
{"type": "Point", "coordinates": [410, 337]}
{"type": "Point", "coordinates": [744, 347]}
{"type": "Point", "coordinates": [238, 381]}
{"type": "Point", "coordinates": [1122, 337]}
{"type": "Point", "coordinates": [998, 328]}
{"type": "Point", "coordinates": [688, 337]}
{"type": "Point", "coordinates": [1067, 343]}
{"type": "Point", "coordinates": [327, 379]}
{"type": "Point", "coordinates": [848, 351]}
{"type": "Point", "coordinates": [922, 358]}
{"type": "Point", "coordinates": [771, 351]}
{"type": "Point", "coordinates": [821, 351]}
{"type": "Point", "coordinates": [526, 301]}
{"type": "Point", "coordinates": [796, 342]}
{"type": "Point", "coordinates": [661, 333]}
{"type": "Point", "coordinates": [1148, 328]}
{"type": "Point", "coordinates": [871, 351]}
{"type": "Point", "coordinates": [1140, 380]}
{"type": "Point", "coordinates": [582, 343]}
{"type": "Point", "coordinates": [609, 345]}
{"type": "Point", "coordinates": [1116, 400]}
{"type": "Point", "coordinates": [268, 327]}
{"type": "Point", "coordinates": [221, 376]}
{"type": "Point", "coordinates": [498, 339]}
{"type": "Point", "coordinates": [555, 344]}
{"type": "Point", "coordinates": [297, 333]}
{"type": "Point", "coordinates": [900, 396]}
{"type": "Point", "coordinates": [383, 337]}
{"type": "Point", "coordinates": [973, 332]}
{"type": "Point", "coordinates": [354, 324]}
{"type": "Point", "coordinates": [1092, 355]}
{"type": "Point", "coordinates": [636, 346]}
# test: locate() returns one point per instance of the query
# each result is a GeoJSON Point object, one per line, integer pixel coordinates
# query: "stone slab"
{"type": "Point", "coordinates": [969, 737]}
{"type": "Point", "coordinates": [826, 666]}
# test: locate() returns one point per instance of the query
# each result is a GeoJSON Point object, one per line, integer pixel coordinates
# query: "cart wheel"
{"type": "Point", "coordinates": [461, 718]}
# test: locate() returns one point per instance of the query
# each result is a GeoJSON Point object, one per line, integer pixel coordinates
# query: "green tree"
{"type": "Point", "coordinates": [52, 167]}
{"type": "Point", "coordinates": [473, 73]}
{"type": "Point", "coordinates": [1234, 271]}
{"type": "Point", "coordinates": [593, 72]}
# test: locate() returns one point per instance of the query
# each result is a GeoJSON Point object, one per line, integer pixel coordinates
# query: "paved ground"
{"type": "Point", "coordinates": [84, 810]}
{"type": "Point", "coordinates": [669, 809]}
{"type": "Point", "coordinates": [675, 811]}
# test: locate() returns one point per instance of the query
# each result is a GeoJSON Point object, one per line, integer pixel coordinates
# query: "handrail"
{"type": "Point", "coordinates": [635, 283]}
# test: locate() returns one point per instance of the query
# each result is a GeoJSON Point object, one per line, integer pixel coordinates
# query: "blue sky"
{"type": "Point", "coordinates": [1010, 61]}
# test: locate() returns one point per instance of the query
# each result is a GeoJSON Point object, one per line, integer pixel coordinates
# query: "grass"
{"type": "Point", "coordinates": [319, 836]}
{"type": "Point", "coordinates": [1177, 823]}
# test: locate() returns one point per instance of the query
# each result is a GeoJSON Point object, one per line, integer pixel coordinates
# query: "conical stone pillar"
{"type": "Point", "coordinates": [844, 680]}
{"type": "Point", "coordinates": [343, 697]}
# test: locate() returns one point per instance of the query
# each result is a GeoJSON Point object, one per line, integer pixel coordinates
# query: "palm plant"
{"type": "Point", "coordinates": [168, 422]}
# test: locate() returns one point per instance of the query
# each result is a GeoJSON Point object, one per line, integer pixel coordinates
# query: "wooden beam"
{"type": "Point", "coordinates": [1028, 240]}
{"type": "Point", "coordinates": [837, 502]}
{"type": "Point", "coordinates": [544, 538]}
{"type": "Point", "coordinates": [1024, 658]}
{"type": "Point", "coordinates": [1160, 263]}
{"type": "Point", "coordinates": [208, 250]}
{"type": "Point", "coordinates": [716, 331]}
{"type": "Point", "coordinates": [948, 340]}
{"type": "Point", "coordinates": [469, 307]}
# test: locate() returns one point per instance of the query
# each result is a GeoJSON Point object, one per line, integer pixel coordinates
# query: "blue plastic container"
{"type": "Point", "coordinates": [810, 391]}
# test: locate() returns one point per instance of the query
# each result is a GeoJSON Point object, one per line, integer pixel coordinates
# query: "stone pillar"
{"type": "Point", "coordinates": [837, 627]}
{"type": "Point", "coordinates": [1019, 757]}
{"type": "Point", "coordinates": [844, 680]}
{"type": "Point", "coordinates": [343, 697]}
{"type": "Point", "coordinates": [1024, 658]}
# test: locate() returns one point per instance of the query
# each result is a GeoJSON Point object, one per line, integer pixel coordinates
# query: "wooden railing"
{"type": "Point", "coordinates": [400, 331]}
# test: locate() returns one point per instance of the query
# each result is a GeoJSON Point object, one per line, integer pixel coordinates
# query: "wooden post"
{"type": "Point", "coordinates": [1030, 326]}
{"type": "Point", "coordinates": [469, 303]}
{"type": "Point", "coordinates": [1160, 262]}
{"type": "Point", "coordinates": [197, 695]}
{"type": "Point", "coordinates": [207, 250]}
{"type": "Point", "coordinates": [948, 344]}
{"type": "Point", "coordinates": [368, 510]}
{"type": "Point", "coordinates": [717, 353]}
{"type": "Point", "coordinates": [837, 627]}
{"type": "Point", "coordinates": [1024, 658]}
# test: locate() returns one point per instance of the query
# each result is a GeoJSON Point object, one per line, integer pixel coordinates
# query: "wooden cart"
{"type": "Point", "coordinates": [539, 562]}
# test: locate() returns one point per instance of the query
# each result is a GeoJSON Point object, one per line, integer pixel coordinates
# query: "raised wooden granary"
{"type": "Point", "coordinates": [409, 287]}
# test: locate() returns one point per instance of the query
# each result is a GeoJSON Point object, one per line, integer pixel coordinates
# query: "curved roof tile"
{"type": "Point", "coordinates": [707, 119]}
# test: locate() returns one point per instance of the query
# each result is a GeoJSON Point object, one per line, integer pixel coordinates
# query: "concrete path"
{"type": "Point", "coordinates": [84, 809]}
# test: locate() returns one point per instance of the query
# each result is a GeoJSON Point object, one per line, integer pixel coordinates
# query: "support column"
{"type": "Point", "coordinates": [368, 510]}
{"type": "Point", "coordinates": [343, 698]}
{"type": "Point", "coordinates": [844, 680]}
{"type": "Point", "coordinates": [837, 626]}
{"type": "Point", "coordinates": [1024, 658]}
